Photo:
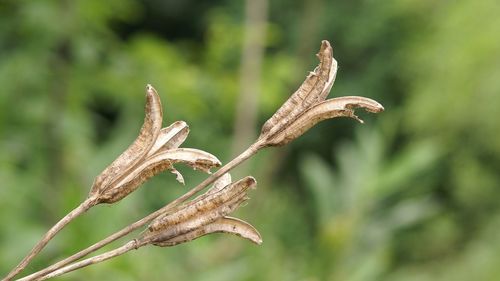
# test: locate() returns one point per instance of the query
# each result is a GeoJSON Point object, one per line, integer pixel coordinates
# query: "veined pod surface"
{"type": "Point", "coordinates": [307, 106]}
{"type": "Point", "coordinates": [337, 107]}
{"type": "Point", "coordinates": [202, 204]}
{"type": "Point", "coordinates": [311, 91]}
{"type": "Point", "coordinates": [139, 148]}
{"type": "Point", "coordinates": [200, 219]}
{"type": "Point", "coordinates": [170, 137]}
{"type": "Point", "coordinates": [223, 225]}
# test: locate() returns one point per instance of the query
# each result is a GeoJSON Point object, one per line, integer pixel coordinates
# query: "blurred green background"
{"type": "Point", "coordinates": [411, 195]}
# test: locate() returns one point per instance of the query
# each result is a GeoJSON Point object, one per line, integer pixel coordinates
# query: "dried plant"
{"type": "Point", "coordinates": [156, 149]}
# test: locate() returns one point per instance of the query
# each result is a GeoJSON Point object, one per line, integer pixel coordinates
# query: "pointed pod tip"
{"type": "Point", "coordinates": [150, 88]}
{"type": "Point", "coordinates": [325, 44]}
{"type": "Point", "coordinates": [325, 49]}
{"type": "Point", "coordinates": [250, 181]}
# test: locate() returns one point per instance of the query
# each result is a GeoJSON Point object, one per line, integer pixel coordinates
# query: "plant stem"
{"type": "Point", "coordinates": [82, 208]}
{"type": "Point", "coordinates": [249, 152]}
{"type": "Point", "coordinates": [94, 260]}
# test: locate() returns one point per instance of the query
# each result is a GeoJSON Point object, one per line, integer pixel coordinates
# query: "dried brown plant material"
{"type": "Point", "coordinates": [307, 106]}
{"type": "Point", "coordinates": [138, 149]}
{"type": "Point", "coordinates": [155, 150]}
{"type": "Point", "coordinates": [203, 203]}
{"type": "Point", "coordinates": [170, 137]}
{"type": "Point", "coordinates": [193, 219]}
{"type": "Point", "coordinates": [223, 225]}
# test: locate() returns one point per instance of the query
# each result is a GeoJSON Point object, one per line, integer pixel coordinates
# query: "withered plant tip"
{"type": "Point", "coordinates": [156, 149]}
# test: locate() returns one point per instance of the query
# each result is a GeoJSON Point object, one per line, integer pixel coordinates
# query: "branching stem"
{"type": "Point", "coordinates": [82, 208]}
{"type": "Point", "coordinates": [249, 152]}
{"type": "Point", "coordinates": [94, 260]}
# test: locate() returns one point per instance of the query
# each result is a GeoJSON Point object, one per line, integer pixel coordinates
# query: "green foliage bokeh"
{"type": "Point", "coordinates": [411, 195]}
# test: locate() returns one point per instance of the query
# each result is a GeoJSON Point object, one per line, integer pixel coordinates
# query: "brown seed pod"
{"type": "Point", "coordinates": [138, 149]}
{"type": "Point", "coordinates": [307, 106]}
{"type": "Point", "coordinates": [222, 225]}
{"type": "Point", "coordinates": [158, 163]}
{"type": "Point", "coordinates": [337, 107]}
{"type": "Point", "coordinates": [201, 218]}
{"type": "Point", "coordinates": [310, 92]}
{"type": "Point", "coordinates": [170, 137]}
{"type": "Point", "coordinates": [202, 204]}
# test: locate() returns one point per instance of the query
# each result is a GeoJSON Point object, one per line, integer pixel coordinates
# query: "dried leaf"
{"type": "Point", "coordinates": [139, 148]}
{"type": "Point", "coordinates": [337, 107]}
{"type": "Point", "coordinates": [225, 225]}
{"type": "Point", "coordinates": [170, 137]}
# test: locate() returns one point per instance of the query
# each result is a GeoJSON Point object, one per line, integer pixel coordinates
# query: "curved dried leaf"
{"type": "Point", "coordinates": [224, 225]}
{"type": "Point", "coordinates": [170, 137]}
{"type": "Point", "coordinates": [314, 89]}
{"type": "Point", "coordinates": [337, 107]}
{"type": "Point", "coordinates": [203, 203]}
{"type": "Point", "coordinates": [139, 148]}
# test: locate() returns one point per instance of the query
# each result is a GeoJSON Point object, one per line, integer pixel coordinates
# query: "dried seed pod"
{"type": "Point", "coordinates": [138, 149]}
{"type": "Point", "coordinates": [337, 107]}
{"type": "Point", "coordinates": [202, 204]}
{"type": "Point", "coordinates": [155, 164]}
{"type": "Point", "coordinates": [311, 91]}
{"type": "Point", "coordinates": [307, 106]}
{"type": "Point", "coordinates": [201, 219]}
{"type": "Point", "coordinates": [170, 137]}
{"type": "Point", "coordinates": [223, 225]}
{"type": "Point", "coordinates": [195, 158]}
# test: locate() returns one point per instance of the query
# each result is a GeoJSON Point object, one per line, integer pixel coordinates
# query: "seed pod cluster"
{"type": "Point", "coordinates": [307, 106]}
{"type": "Point", "coordinates": [203, 215]}
{"type": "Point", "coordinates": [155, 150]}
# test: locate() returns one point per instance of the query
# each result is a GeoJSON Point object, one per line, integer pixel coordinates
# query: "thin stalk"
{"type": "Point", "coordinates": [82, 208]}
{"type": "Point", "coordinates": [134, 244]}
{"type": "Point", "coordinates": [249, 152]}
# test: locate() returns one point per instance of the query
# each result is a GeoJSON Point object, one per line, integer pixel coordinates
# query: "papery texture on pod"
{"type": "Point", "coordinates": [202, 204]}
{"type": "Point", "coordinates": [223, 225]}
{"type": "Point", "coordinates": [170, 137]}
{"type": "Point", "coordinates": [199, 220]}
{"type": "Point", "coordinates": [158, 163]}
{"type": "Point", "coordinates": [337, 107]}
{"type": "Point", "coordinates": [138, 149]}
{"type": "Point", "coordinates": [314, 89]}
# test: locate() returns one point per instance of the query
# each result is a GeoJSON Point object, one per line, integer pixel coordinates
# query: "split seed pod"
{"type": "Point", "coordinates": [307, 106]}
{"type": "Point", "coordinates": [154, 150]}
{"type": "Point", "coordinates": [204, 215]}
